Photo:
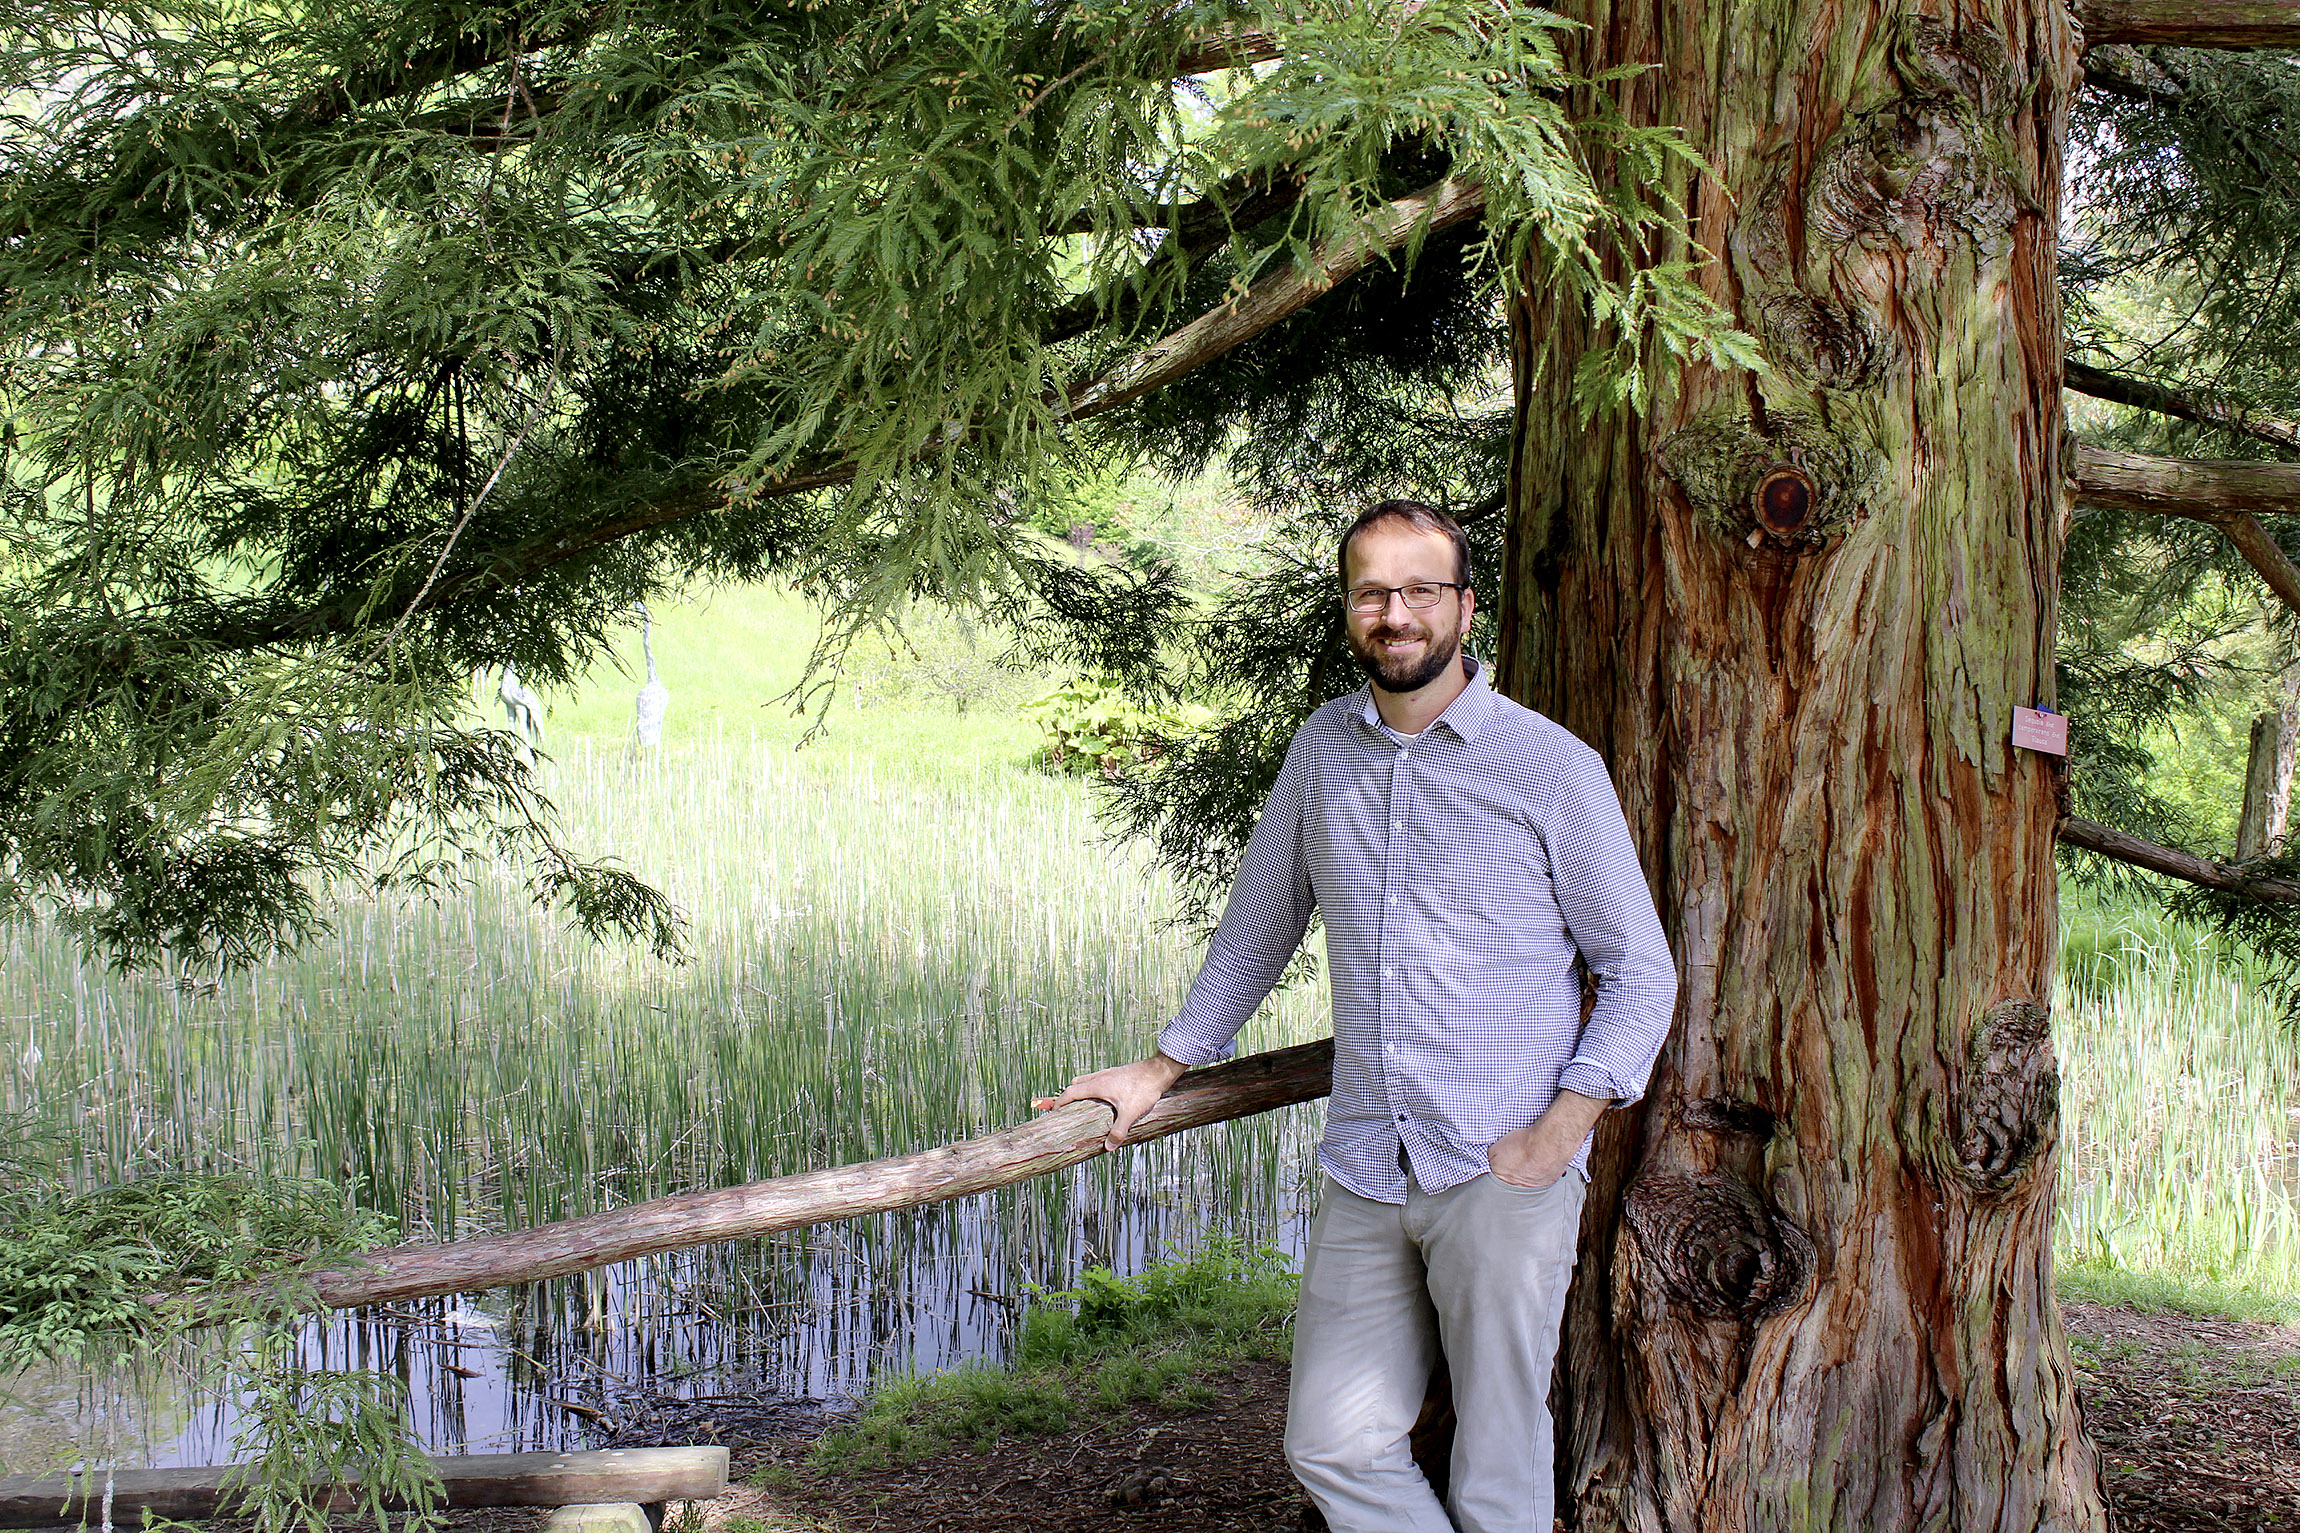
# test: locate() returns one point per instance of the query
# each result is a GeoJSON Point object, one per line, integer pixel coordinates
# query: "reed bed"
{"type": "Point", "coordinates": [891, 956]}
{"type": "Point", "coordinates": [881, 965]}
{"type": "Point", "coordinates": [2180, 1107]}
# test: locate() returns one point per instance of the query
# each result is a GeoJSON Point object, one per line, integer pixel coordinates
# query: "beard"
{"type": "Point", "coordinates": [1399, 674]}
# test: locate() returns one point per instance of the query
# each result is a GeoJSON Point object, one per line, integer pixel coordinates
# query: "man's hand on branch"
{"type": "Point", "coordinates": [1131, 1090]}
{"type": "Point", "coordinates": [1536, 1156]}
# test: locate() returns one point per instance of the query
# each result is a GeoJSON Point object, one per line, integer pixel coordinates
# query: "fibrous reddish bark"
{"type": "Point", "coordinates": [1795, 611]}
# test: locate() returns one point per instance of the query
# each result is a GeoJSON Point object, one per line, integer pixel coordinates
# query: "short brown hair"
{"type": "Point", "coordinates": [1410, 513]}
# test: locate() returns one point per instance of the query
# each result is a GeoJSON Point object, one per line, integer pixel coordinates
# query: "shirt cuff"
{"type": "Point", "coordinates": [1187, 1046]}
{"type": "Point", "coordinates": [1591, 1079]}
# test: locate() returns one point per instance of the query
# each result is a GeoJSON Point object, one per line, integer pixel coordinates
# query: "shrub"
{"type": "Point", "coordinates": [1092, 725]}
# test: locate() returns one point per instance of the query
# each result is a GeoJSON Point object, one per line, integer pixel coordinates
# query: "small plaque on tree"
{"type": "Point", "coordinates": [2038, 729]}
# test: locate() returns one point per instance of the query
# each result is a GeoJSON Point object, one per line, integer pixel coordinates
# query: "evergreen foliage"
{"type": "Point", "coordinates": [351, 346]}
{"type": "Point", "coordinates": [79, 1271]}
{"type": "Point", "coordinates": [348, 346]}
{"type": "Point", "coordinates": [2180, 273]}
{"type": "Point", "coordinates": [2189, 191]}
{"type": "Point", "coordinates": [87, 1278]}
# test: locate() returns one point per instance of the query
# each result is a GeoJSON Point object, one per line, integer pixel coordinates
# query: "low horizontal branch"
{"type": "Point", "coordinates": [2141, 394]}
{"type": "Point", "coordinates": [2236, 24]}
{"type": "Point", "coordinates": [2205, 489]}
{"type": "Point", "coordinates": [2220, 493]}
{"type": "Point", "coordinates": [2227, 877]}
{"type": "Point", "coordinates": [1051, 1142]}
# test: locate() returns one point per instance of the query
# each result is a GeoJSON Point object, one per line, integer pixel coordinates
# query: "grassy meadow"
{"type": "Point", "coordinates": [902, 931]}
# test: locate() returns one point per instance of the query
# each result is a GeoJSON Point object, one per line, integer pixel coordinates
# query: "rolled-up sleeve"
{"type": "Point", "coordinates": [1268, 911]}
{"type": "Point", "coordinates": [1609, 915]}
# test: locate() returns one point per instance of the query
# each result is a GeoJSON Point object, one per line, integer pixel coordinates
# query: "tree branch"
{"type": "Point", "coordinates": [1274, 298]}
{"type": "Point", "coordinates": [1438, 206]}
{"type": "Point", "coordinates": [2117, 846]}
{"type": "Point", "coordinates": [429, 67]}
{"type": "Point", "coordinates": [2104, 72]}
{"type": "Point", "coordinates": [1239, 202]}
{"type": "Point", "coordinates": [2143, 395]}
{"type": "Point", "coordinates": [2236, 24]}
{"type": "Point", "coordinates": [1232, 48]}
{"type": "Point", "coordinates": [2217, 493]}
{"type": "Point", "coordinates": [1057, 1140]}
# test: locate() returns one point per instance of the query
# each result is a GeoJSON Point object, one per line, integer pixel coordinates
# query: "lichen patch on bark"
{"type": "Point", "coordinates": [1720, 465]}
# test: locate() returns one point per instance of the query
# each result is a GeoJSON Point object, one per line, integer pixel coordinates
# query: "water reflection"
{"type": "Point", "coordinates": [725, 1341]}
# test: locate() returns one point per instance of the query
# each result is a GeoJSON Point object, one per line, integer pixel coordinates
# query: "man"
{"type": "Point", "coordinates": [1471, 863]}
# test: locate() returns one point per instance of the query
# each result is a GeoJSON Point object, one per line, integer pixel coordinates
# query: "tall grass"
{"type": "Point", "coordinates": [2180, 1107]}
{"type": "Point", "coordinates": [894, 952]}
{"type": "Point", "coordinates": [884, 963]}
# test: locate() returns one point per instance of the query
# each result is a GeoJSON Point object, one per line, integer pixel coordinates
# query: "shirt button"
{"type": "Point", "coordinates": [1385, 971]}
{"type": "Point", "coordinates": [1397, 825]}
{"type": "Point", "coordinates": [1401, 1117]}
{"type": "Point", "coordinates": [1393, 899]}
{"type": "Point", "coordinates": [1390, 1048]}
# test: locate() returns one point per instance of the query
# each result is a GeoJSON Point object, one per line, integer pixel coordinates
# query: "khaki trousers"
{"type": "Point", "coordinates": [1481, 1268]}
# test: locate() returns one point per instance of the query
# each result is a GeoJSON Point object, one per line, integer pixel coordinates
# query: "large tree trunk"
{"type": "Point", "coordinates": [1796, 612]}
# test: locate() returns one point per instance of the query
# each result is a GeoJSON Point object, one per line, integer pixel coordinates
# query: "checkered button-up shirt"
{"type": "Point", "coordinates": [1468, 878]}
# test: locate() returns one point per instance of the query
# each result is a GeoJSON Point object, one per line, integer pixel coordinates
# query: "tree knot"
{"type": "Point", "coordinates": [1727, 1115]}
{"type": "Point", "coordinates": [1719, 1250]}
{"type": "Point", "coordinates": [2007, 1109]}
{"type": "Point", "coordinates": [1793, 480]}
{"type": "Point", "coordinates": [1836, 344]}
{"type": "Point", "coordinates": [1783, 500]}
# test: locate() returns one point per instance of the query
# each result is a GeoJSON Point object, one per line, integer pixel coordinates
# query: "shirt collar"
{"type": "Point", "coordinates": [1465, 715]}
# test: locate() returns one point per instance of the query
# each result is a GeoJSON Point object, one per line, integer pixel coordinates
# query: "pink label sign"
{"type": "Point", "coordinates": [2036, 730]}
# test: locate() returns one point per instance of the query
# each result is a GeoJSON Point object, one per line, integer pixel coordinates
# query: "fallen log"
{"type": "Point", "coordinates": [647, 1476]}
{"type": "Point", "coordinates": [1051, 1142]}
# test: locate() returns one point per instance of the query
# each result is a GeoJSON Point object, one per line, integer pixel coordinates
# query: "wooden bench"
{"type": "Point", "coordinates": [596, 1490]}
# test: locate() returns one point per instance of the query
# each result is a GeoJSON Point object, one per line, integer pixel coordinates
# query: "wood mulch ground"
{"type": "Point", "coordinates": [2197, 1421]}
{"type": "Point", "coordinates": [1216, 1468]}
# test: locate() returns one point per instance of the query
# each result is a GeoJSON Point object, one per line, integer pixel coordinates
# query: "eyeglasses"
{"type": "Point", "coordinates": [1371, 599]}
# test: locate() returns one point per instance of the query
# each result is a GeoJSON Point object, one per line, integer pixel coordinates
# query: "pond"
{"type": "Point", "coordinates": [880, 966]}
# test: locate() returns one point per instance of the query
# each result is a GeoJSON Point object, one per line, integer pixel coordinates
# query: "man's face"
{"type": "Point", "coordinates": [1401, 649]}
